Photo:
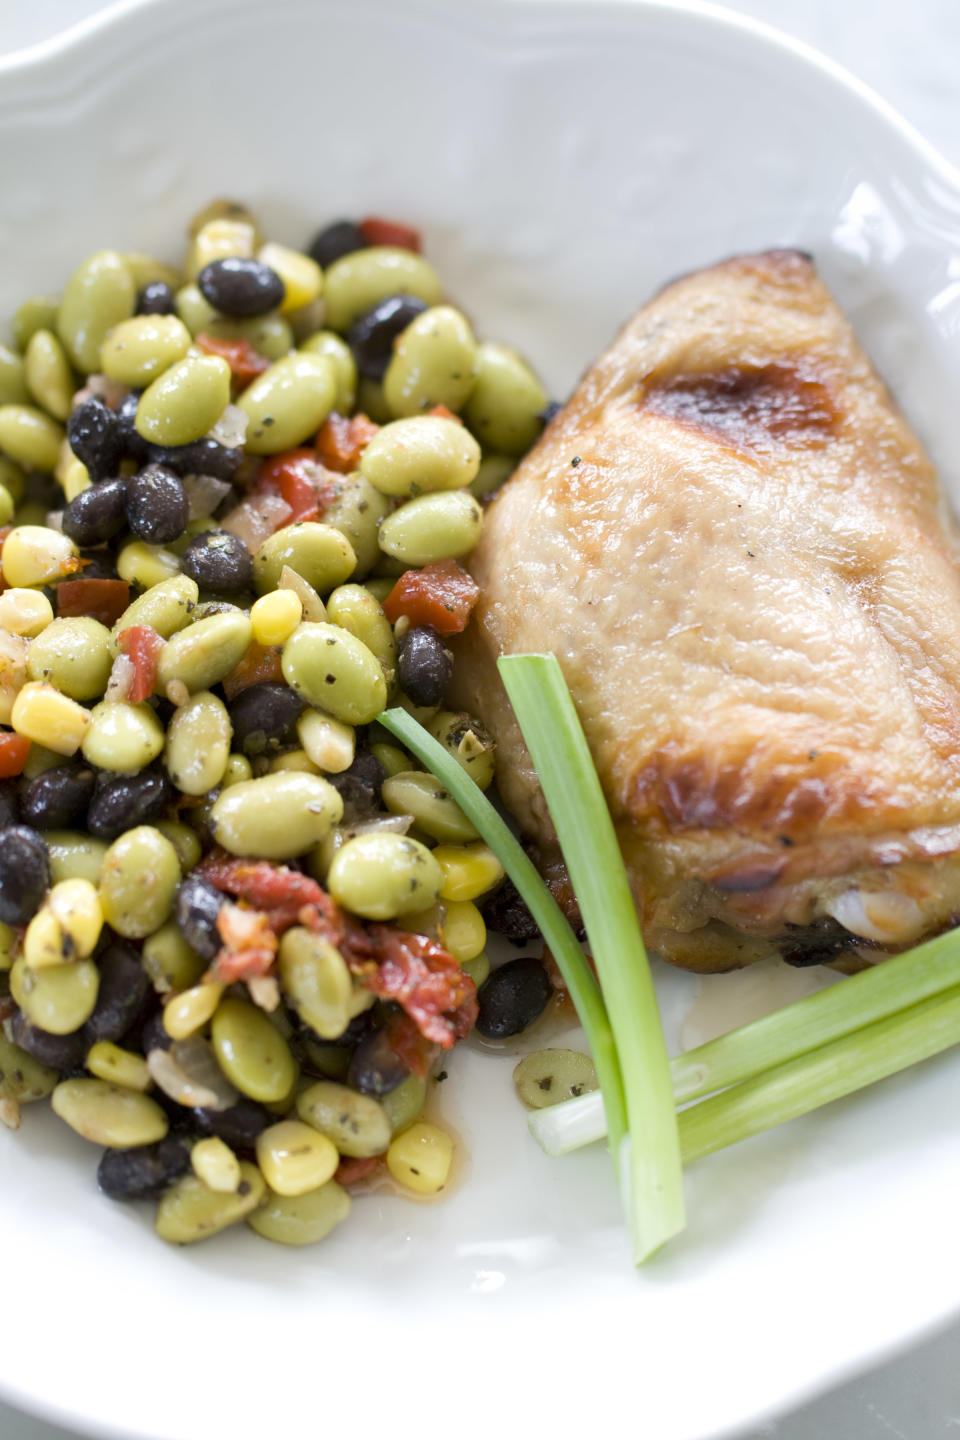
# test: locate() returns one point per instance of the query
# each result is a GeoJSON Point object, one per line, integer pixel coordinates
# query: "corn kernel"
{"type": "Point", "coordinates": [45, 944]}
{"type": "Point", "coordinates": [330, 743]}
{"type": "Point", "coordinates": [37, 555]}
{"type": "Point", "coordinates": [294, 1158]}
{"type": "Point", "coordinates": [146, 565]}
{"type": "Point", "coordinates": [76, 905]}
{"type": "Point", "coordinates": [468, 870]}
{"type": "Point", "coordinates": [220, 239]}
{"type": "Point", "coordinates": [13, 672]}
{"type": "Point", "coordinates": [76, 477]}
{"type": "Point", "coordinates": [420, 1158]}
{"type": "Point", "coordinates": [25, 612]}
{"type": "Point", "coordinates": [42, 714]}
{"type": "Point", "coordinates": [185, 1014]}
{"type": "Point", "coordinates": [274, 617]}
{"type": "Point", "coordinates": [216, 1165]}
{"type": "Point", "coordinates": [122, 1067]}
{"type": "Point", "coordinates": [302, 277]}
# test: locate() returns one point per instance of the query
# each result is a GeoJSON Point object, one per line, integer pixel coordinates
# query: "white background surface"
{"type": "Point", "coordinates": [908, 53]}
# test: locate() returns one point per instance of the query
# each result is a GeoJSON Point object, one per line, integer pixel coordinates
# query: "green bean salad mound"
{"type": "Point", "coordinates": [239, 925]}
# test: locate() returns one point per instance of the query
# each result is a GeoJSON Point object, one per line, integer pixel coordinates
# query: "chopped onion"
{"type": "Point", "coordinates": [120, 683]}
{"type": "Point", "coordinates": [231, 428]}
{"type": "Point", "coordinates": [313, 607]}
{"type": "Point", "coordinates": [204, 493]}
{"type": "Point", "coordinates": [55, 520]}
{"type": "Point", "coordinates": [101, 387]}
{"type": "Point", "coordinates": [189, 1074]}
{"type": "Point", "coordinates": [257, 518]}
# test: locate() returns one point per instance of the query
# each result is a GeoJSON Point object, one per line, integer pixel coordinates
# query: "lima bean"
{"type": "Point", "coordinates": [335, 671]}
{"type": "Point", "coordinates": [360, 280]}
{"type": "Point", "coordinates": [22, 1078]}
{"type": "Point", "coordinates": [301, 1219]}
{"type": "Point", "coordinates": [356, 511]}
{"type": "Point", "coordinates": [316, 981]}
{"type": "Point", "coordinates": [139, 349]}
{"type": "Point", "coordinates": [355, 609]}
{"type": "Point", "coordinates": [165, 607]}
{"type": "Point", "coordinates": [276, 817]}
{"type": "Point", "coordinates": [121, 737]}
{"type": "Point", "coordinates": [191, 1211]}
{"type": "Point", "coordinates": [325, 342]}
{"type": "Point", "coordinates": [99, 294]}
{"type": "Point", "coordinates": [320, 554]}
{"type": "Point", "coordinates": [434, 363]}
{"type": "Point", "coordinates": [141, 872]}
{"type": "Point", "coordinates": [185, 401]}
{"type": "Point", "coordinates": [357, 1124]}
{"type": "Point", "coordinates": [58, 998]}
{"type": "Point", "coordinates": [288, 403]}
{"type": "Point", "coordinates": [423, 452]}
{"type": "Point", "coordinates": [108, 1114]}
{"type": "Point", "coordinates": [504, 407]}
{"type": "Point", "coordinates": [251, 1052]}
{"type": "Point", "coordinates": [202, 654]}
{"type": "Point", "coordinates": [13, 378]}
{"type": "Point", "coordinates": [198, 744]}
{"type": "Point", "coordinates": [75, 655]}
{"type": "Point", "coordinates": [49, 375]}
{"type": "Point", "coordinates": [432, 528]}
{"type": "Point", "coordinates": [413, 792]}
{"type": "Point", "coordinates": [381, 875]}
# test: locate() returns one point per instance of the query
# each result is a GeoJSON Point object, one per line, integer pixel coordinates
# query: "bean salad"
{"type": "Point", "coordinates": [240, 927]}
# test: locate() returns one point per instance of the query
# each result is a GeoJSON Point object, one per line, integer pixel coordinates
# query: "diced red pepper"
{"type": "Point", "coordinates": [245, 362]}
{"type": "Point", "coordinates": [378, 231]}
{"type": "Point", "coordinates": [103, 600]}
{"type": "Point", "coordinates": [426, 981]}
{"type": "Point", "coordinates": [442, 413]}
{"type": "Point", "coordinates": [342, 439]}
{"type": "Point", "coordinates": [260, 664]}
{"type": "Point", "coordinates": [440, 595]}
{"type": "Point", "coordinates": [13, 754]}
{"type": "Point", "coordinates": [299, 478]}
{"type": "Point", "coordinates": [410, 1046]}
{"type": "Point", "coordinates": [142, 645]}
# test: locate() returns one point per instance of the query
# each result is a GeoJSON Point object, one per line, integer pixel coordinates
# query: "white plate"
{"type": "Point", "coordinates": [563, 161]}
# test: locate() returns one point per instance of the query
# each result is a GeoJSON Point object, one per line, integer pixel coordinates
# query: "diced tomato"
{"type": "Point", "coordinates": [342, 440]}
{"type": "Point", "coordinates": [245, 362]}
{"type": "Point", "coordinates": [13, 754]}
{"type": "Point", "coordinates": [142, 645]}
{"type": "Point", "coordinates": [378, 231]}
{"type": "Point", "coordinates": [285, 896]}
{"type": "Point", "coordinates": [103, 600]}
{"type": "Point", "coordinates": [260, 664]}
{"type": "Point", "coordinates": [426, 981]}
{"type": "Point", "coordinates": [306, 485]}
{"type": "Point", "coordinates": [354, 1168]}
{"type": "Point", "coordinates": [440, 595]}
{"type": "Point", "coordinates": [442, 413]}
{"type": "Point", "coordinates": [249, 944]}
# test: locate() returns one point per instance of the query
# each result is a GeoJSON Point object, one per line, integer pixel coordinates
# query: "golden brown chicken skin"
{"type": "Point", "coordinates": [737, 549]}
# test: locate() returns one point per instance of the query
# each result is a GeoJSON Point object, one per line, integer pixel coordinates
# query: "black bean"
{"type": "Point", "coordinates": [340, 238]}
{"type": "Point", "coordinates": [200, 457]}
{"type": "Point", "coordinates": [157, 505]}
{"type": "Point", "coordinates": [264, 718]}
{"type": "Point", "coordinates": [24, 873]}
{"type": "Point", "coordinates": [512, 997]}
{"type": "Point", "coordinates": [218, 560]}
{"type": "Point", "coordinates": [359, 786]}
{"type": "Point", "coordinates": [506, 912]}
{"type": "Point", "coordinates": [97, 564]}
{"type": "Point", "coordinates": [155, 299]}
{"type": "Point", "coordinates": [9, 804]}
{"type": "Point", "coordinates": [95, 438]}
{"type": "Point", "coordinates": [145, 1171]}
{"type": "Point", "coordinates": [56, 798]}
{"type": "Point", "coordinates": [96, 514]}
{"type": "Point", "coordinates": [132, 442]}
{"type": "Point", "coordinates": [153, 1034]}
{"type": "Point", "coordinates": [60, 1052]}
{"type": "Point", "coordinates": [197, 907]}
{"type": "Point", "coordinates": [371, 337]}
{"type": "Point", "coordinates": [126, 801]}
{"type": "Point", "coordinates": [818, 944]}
{"type": "Point", "coordinates": [375, 1067]}
{"type": "Point", "coordinates": [241, 287]}
{"type": "Point", "coordinates": [424, 666]}
{"type": "Point", "coordinates": [123, 995]}
{"type": "Point", "coordinates": [238, 1126]}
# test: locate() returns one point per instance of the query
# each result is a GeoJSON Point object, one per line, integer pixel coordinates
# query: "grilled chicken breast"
{"type": "Point", "coordinates": [736, 548]}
